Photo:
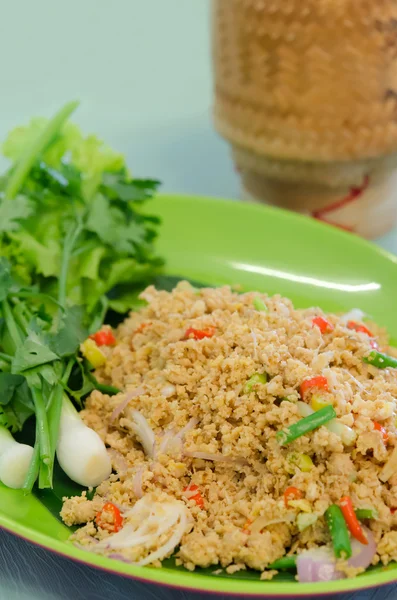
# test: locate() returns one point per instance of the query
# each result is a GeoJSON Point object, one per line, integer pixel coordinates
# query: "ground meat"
{"type": "Point", "coordinates": [210, 442]}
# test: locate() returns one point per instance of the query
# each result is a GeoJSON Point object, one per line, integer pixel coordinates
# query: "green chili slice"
{"type": "Point", "coordinates": [339, 532]}
{"type": "Point", "coordinates": [380, 360]}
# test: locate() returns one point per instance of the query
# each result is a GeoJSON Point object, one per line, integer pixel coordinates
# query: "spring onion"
{"type": "Point", "coordinates": [317, 402]}
{"type": "Point", "coordinates": [80, 451]}
{"type": "Point", "coordinates": [305, 520]}
{"type": "Point", "coordinates": [15, 459]}
{"type": "Point", "coordinates": [339, 532]}
{"type": "Point", "coordinates": [305, 425]}
{"type": "Point", "coordinates": [364, 514]}
{"type": "Point", "coordinates": [302, 461]}
{"type": "Point", "coordinates": [380, 360]}
{"type": "Point", "coordinates": [346, 433]}
{"type": "Point", "coordinates": [259, 304]}
{"type": "Point", "coordinates": [254, 379]}
{"type": "Point", "coordinates": [285, 563]}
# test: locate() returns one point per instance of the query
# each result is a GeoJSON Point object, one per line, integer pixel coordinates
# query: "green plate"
{"type": "Point", "coordinates": [222, 242]}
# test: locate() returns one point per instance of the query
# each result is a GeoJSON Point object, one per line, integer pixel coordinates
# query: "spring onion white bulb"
{"type": "Point", "coordinates": [14, 460]}
{"type": "Point", "coordinates": [80, 451]}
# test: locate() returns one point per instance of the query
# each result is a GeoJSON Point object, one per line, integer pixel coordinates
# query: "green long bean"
{"type": "Point", "coordinates": [318, 418]}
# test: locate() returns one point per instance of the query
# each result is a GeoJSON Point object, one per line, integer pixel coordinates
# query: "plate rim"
{"type": "Point", "coordinates": [205, 583]}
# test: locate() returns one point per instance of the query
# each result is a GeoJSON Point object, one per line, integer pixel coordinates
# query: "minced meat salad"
{"type": "Point", "coordinates": [247, 434]}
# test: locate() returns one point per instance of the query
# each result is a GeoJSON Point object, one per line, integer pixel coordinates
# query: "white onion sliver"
{"type": "Point", "coordinates": [167, 437]}
{"type": "Point", "coordinates": [188, 427]}
{"type": "Point", "coordinates": [119, 461]}
{"type": "Point", "coordinates": [129, 396]}
{"type": "Point", "coordinates": [262, 522]}
{"type": "Point", "coordinates": [143, 431]}
{"type": "Point", "coordinates": [132, 539]}
{"type": "Point", "coordinates": [168, 390]}
{"type": "Point", "coordinates": [170, 545]}
{"type": "Point", "coordinates": [137, 482]}
{"type": "Point", "coordinates": [363, 554]}
{"type": "Point", "coordinates": [355, 314]}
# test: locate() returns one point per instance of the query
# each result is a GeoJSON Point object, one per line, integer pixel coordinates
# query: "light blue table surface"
{"type": "Point", "coordinates": [141, 69]}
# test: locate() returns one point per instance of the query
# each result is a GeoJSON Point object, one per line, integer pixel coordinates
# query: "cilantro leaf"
{"type": "Point", "coordinates": [6, 281]}
{"type": "Point", "coordinates": [113, 226]}
{"type": "Point", "coordinates": [13, 211]}
{"type": "Point", "coordinates": [16, 404]}
{"type": "Point", "coordinates": [117, 185]}
{"type": "Point", "coordinates": [71, 332]}
{"type": "Point", "coordinates": [33, 352]}
{"type": "Point", "coordinates": [8, 384]}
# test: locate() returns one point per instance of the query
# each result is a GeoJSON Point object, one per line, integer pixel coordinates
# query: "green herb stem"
{"type": "Point", "coordinates": [11, 324]}
{"type": "Point", "coordinates": [6, 357]}
{"type": "Point", "coordinates": [41, 419]}
{"type": "Point", "coordinates": [110, 390]}
{"type": "Point", "coordinates": [34, 466]}
{"type": "Point", "coordinates": [69, 242]}
{"type": "Point", "coordinates": [36, 148]}
{"type": "Point", "coordinates": [54, 419]}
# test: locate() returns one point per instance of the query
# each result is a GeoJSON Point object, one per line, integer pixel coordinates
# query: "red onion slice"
{"type": "Point", "coordinates": [118, 460]}
{"type": "Point", "coordinates": [363, 554]}
{"type": "Point", "coordinates": [129, 396]}
{"type": "Point", "coordinates": [320, 564]}
{"type": "Point", "coordinates": [317, 565]}
{"type": "Point", "coordinates": [137, 482]}
{"type": "Point", "coordinates": [117, 556]}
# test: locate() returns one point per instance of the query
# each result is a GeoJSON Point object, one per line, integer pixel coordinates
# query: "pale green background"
{"type": "Point", "coordinates": [141, 69]}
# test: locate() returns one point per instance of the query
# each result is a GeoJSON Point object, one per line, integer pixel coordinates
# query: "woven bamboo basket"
{"type": "Point", "coordinates": [306, 94]}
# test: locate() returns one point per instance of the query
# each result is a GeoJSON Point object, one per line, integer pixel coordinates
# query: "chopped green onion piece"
{"type": "Point", "coordinates": [284, 564]}
{"type": "Point", "coordinates": [255, 378]}
{"type": "Point", "coordinates": [289, 399]}
{"type": "Point", "coordinates": [363, 514]}
{"type": "Point", "coordinates": [320, 417]}
{"type": "Point", "coordinates": [305, 520]}
{"type": "Point", "coordinates": [339, 532]}
{"type": "Point", "coordinates": [304, 409]}
{"type": "Point", "coordinates": [346, 434]}
{"type": "Point", "coordinates": [260, 305]}
{"type": "Point", "coordinates": [302, 461]}
{"type": "Point", "coordinates": [380, 360]}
